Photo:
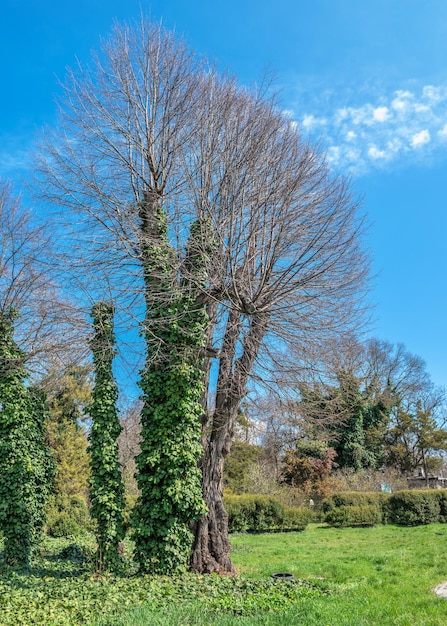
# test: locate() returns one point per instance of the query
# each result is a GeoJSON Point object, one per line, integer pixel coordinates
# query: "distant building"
{"type": "Point", "coordinates": [430, 482]}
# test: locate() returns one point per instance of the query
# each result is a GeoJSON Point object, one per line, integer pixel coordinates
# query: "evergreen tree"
{"type": "Point", "coordinates": [26, 465]}
{"type": "Point", "coordinates": [351, 417]}
{"type": "Point", "coordinates": [106, 485]}
{"type": "Point", "coordinates": [68, 396]}
{"type": "Point", "coordinates": [350, 444]}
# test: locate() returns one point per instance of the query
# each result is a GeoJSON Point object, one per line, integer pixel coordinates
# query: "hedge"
{"type": "Point", "coordinates": [413, 507]}
{"type": "Point", "coordinates": [442, 498]}
{"type": "Point", "coordinates": [356, 498]}
{"type": "Point", "coordinates": [405, 508]}
{"type": "Point", "coordinates": [257, 513]}
{"type": "Point", "coordinates": [364, 515]}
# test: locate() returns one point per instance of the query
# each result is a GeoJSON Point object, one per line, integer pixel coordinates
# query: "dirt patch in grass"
{"type": "Point", "coordinates": [441, 590]}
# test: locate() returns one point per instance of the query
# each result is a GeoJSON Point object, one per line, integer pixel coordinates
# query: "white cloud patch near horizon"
{"type": "Point", "coordinates": [403, 125]}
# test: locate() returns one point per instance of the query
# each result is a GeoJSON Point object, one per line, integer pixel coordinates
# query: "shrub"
{"type": "Point", "coordinates": [369, 479]}
{"type": "Point", "coordinates": [442, 499]}
{"type": "Point", "coordinates": [356, 498]}
{"type": "Point", "coordinates": [256, 513]}
{"type": "Point", "coordinates": [67, 516]}
{"type": "Point", "coordinates": [253, 513]}
{"type": "Point", "coordinates": [76, 553]}
{"type": "Point", "coordinates": [410, 508]}
{"type": "Point", "coordinates": [296, 518]}
{"type": "Point", "coordinates": [363, 515]}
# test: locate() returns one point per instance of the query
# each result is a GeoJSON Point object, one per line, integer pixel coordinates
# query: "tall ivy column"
{"type": "Point", "coordinates": [168, 475]}
{"type": "Point", "coordinates": [106, 486]}
{"type": "Point", "coordinates": [26, 465]}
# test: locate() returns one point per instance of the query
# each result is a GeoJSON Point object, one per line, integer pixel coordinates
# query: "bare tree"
{"type": "Point", "coordinates": [48, 326]}
{"type": "Point", "coordinates": [288, 271]}
{"type": "Point", "coordinates": [149, 125]}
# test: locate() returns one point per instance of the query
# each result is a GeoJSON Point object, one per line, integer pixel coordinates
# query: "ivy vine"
{"type": "Point", "coordinates": [172, 383]}
{"type": "Point", "coordinates": [106, 486]}
{"type": "Point", "coordinates": [26, 466]}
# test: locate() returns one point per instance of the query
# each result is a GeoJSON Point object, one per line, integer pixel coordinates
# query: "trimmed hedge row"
{"type": "Point", "coordinates": [410, 508]}
{"type": "Point", "coordinates": [366, 515]}
{"type": "Point", "coordinates": [256, 513]}
{"type": "Point", "coordinates": [356, 498]}
{"type": "Point", "coordinates": [405, 508]}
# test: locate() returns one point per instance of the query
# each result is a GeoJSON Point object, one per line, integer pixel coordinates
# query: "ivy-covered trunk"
{"type": "Point", "coordinates": [172, 383]}
{"type": "Point", "coordinates": [106, 485]}
{"type": "Point", "coordinates": [26, 465]}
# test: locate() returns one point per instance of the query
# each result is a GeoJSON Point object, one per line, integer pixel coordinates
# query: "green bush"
{"type": "Point", "coordinates": [356, 498]}
{"type": "Point", "coordinates": [253, 513]}
{"type": "Point", "coordinates": [296, 518]}
{"type": "Point", "coordinates": [413, 507]}
{"type": "Point", "coordinates": [442, 499]}
{"type": "Point", "coordinates": [67, 516]}
{"type": "Point", "coordinates": [363, 515]}
{"type": "Point", "coordinates": [257, 513]}
{"type": "Point", "coordinates": [77, 553]}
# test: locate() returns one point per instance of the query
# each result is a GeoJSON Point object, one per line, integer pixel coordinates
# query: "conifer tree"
{"type": "Point", "coordinates": [69, 393]}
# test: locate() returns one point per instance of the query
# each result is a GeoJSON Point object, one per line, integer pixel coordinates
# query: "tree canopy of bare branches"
{"type": "Point", "coordinates": [149, 117]}
{"type": "Point", "coordinates": [47, 325]}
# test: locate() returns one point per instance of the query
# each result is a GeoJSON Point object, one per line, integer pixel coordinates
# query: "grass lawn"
{"type": "Point", "coordinates": [351, 577]}
{"type": "Point", "coordinates": [382, 575]}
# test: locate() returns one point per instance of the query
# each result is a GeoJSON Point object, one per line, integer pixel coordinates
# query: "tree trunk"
{"type": "Point", "coordinates": [211, 548]}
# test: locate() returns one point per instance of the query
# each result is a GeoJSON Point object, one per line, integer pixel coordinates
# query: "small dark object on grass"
{"type": "Point", "coordinates": [283, 576]}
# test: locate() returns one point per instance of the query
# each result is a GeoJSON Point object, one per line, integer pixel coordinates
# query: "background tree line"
{"type": "Point", "coordinates": [371, 416]}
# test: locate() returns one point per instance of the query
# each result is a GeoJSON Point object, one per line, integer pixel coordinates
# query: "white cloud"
{"type": "Point", "coordinates": [333, 154]}
{"type": "Point", "coordinates": [421, 138]}
{"type": "Point", "coordinates": [11, 162]}
{"type": "Point", "coordinates": [401, 125]}
{"type": "Point", "coordinates": [375, 153]}
{"type": "Point", "coordinates": [435, 94]}
{"type": "Point", "coordinates": [381, 114]}
{"type": "Point", "coordinates": [310, 121]}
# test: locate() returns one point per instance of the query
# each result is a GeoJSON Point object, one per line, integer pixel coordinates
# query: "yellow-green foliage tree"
{"type": "Point", "coordinates": [242, 457]}
{"type": "Point", "coordinates": [68, 395]}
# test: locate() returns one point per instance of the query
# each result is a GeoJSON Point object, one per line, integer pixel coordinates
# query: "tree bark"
{"type": "Point", "coordinates": [211, 548]}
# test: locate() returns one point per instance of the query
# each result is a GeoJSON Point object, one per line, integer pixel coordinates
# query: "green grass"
{"type": "Point", "coordinates": [375, 576]}
{"type": "Point", "coordinates": [378, 576]}
{"type": "Point", "coordinates": [351, 577]}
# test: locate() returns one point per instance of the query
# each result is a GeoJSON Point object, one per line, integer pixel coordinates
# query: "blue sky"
{"type": "Point", "coordinates": [368, 80]}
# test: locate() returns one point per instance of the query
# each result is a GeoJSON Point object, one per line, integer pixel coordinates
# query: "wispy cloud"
{"type": "Point", "coordinates": [10, 163]}
{"type": "Point", "coordinates": [14, 154]}
{"type": "Point", "coordinates": [404, 125]}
